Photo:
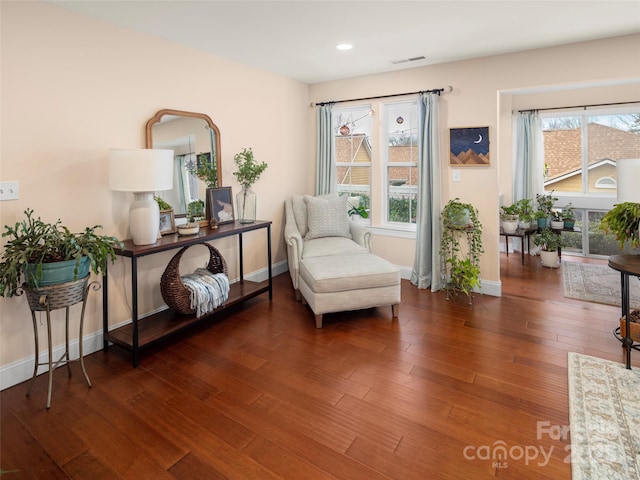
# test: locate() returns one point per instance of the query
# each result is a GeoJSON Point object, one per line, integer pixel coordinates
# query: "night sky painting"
{"type": "Point", "coordinates": [469, 146]}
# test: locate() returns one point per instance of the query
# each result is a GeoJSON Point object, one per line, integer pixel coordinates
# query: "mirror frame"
{"type": "Point", "coordinates": [158, 117]}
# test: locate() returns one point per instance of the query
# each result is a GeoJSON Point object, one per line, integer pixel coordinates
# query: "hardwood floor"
{"type": "Point", "coordinates": [264, 394]}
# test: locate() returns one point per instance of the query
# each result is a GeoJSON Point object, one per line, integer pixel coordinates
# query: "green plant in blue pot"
{"type": "Point", "coordinates": [39, 253]}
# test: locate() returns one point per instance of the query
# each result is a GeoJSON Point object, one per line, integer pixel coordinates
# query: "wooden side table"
{"type": "Point", "coordinates": [524, 234]}
{"type": "Point", "coordinates": [627, 265]}
{"type": "Point", "coordinates": [53, 297]}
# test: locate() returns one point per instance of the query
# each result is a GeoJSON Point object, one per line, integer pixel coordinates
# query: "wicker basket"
{"type": "Point", "coordinates": [633, 327]}
{"type": "Point", "coordinates": [56, 296]}
{"type": "Point", "coordinates": [175, 294]}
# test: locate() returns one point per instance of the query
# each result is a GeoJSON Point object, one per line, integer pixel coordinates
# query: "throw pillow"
{"type": "Point", "coordinates": [326, 217]}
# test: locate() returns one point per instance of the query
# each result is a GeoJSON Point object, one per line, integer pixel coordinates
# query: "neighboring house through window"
{"type": "Point", "coordinates": [388, 154]}
{"type": "Point", "coordinates": [580, 154]}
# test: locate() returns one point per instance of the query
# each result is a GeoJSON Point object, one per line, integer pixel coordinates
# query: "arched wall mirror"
{"type": "Point", "coordinates": [195, 141]}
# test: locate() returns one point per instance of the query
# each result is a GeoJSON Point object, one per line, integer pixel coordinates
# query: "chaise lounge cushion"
{"type": "Point", "coordinates": [331, 246]}
{"type": "Point", "coordinates": [348, 273]}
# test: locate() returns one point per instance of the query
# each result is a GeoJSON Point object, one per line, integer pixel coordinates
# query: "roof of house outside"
{"type": "Point", "coordinates": [563, 150]}
{"type": "Point", "coordinates": [347, 147]}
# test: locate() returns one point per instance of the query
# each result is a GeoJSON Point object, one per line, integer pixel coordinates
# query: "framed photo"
{"type": "Point", "coordinates": [469, 147]}
{"type": "Point", "coordinates": [167, 222]}
{"type": "Point", "coordinates": [221, 204]}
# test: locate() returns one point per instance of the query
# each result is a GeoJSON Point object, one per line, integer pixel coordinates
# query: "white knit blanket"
{"type": "Point", "coordinates": [208, 290]}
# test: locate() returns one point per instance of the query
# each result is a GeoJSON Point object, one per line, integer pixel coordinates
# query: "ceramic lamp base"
{"type": "Point", "coordinates": [144, 219]}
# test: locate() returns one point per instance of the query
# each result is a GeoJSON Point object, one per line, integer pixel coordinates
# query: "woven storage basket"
{"type": "Point", "coordinates": [175, 294]}
{"type": "Point", "coordinates": [633, 327]}
{"type": "Point", "coordinates": [56, 296]}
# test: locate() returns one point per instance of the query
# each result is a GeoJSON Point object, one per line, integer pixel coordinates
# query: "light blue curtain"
{"type": "Point", "coordinates": [326, 154]}
{"type": "Point", "coordinates": [182, 184]}
{"type": "Point", "coordinates": [426, 269]}
{"type": "Point", "coordinates": [529, 156]}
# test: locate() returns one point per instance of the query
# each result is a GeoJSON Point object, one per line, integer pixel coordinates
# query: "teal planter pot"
{"type": "Point", "coordinates": [542, 223]}
{"type": "Point", "coordinates": [56, 272]}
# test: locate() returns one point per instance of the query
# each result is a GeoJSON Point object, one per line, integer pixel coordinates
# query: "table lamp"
{"type": "Point", "coordinates": [142, 172]}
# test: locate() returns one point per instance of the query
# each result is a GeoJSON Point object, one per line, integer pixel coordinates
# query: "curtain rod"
{"type": "Point", "coordinates": [448, 89]}
{"type": "Point", "coordinates": [578, 106]}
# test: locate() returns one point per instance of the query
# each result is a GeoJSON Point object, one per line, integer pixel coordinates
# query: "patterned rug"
{"type": "Point", "coordinates": [604, 410]}
{"type": "Point", "coordinates": [596, 283]}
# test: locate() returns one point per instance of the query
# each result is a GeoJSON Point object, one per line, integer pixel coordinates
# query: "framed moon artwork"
{"type": "Point", "coordinates": [469, 147]}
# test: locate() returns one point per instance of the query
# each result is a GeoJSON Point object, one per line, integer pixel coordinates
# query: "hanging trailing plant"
{"type": "Point", "coordinates": [460, 268]}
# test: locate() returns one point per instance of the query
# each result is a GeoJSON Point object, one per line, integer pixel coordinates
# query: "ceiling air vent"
{"type": "Point", "coordinates": [405, 60]}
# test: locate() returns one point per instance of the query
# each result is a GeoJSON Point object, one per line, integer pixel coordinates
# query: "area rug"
{"type": "Point", "coordinates": [596, 283]}
{"type": "Point", "coordinates": [604, 410]}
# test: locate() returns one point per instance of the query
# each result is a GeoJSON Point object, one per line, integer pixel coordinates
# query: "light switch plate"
{"type": "Point", "coordinates": [455, 175]}
{"type": "Point", "coordinates": [9, 191]}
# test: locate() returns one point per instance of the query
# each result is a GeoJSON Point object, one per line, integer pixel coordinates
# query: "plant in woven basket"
{"type": "Point", "coordinates": [34, 243]}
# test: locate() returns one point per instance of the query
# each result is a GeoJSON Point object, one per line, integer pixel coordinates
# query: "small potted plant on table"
{"type": "Point", "coordinates": [510, 217]}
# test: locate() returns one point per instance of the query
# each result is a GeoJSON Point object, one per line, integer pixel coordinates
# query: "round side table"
{"type": "Point", "coordinates": [627, 265]}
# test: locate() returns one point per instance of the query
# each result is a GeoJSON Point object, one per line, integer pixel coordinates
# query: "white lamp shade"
{"type": "Point", "coordinates": [140, 170]}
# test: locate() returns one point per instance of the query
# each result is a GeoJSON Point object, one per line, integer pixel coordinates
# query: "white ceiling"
{"type": "Point", "coordinates": [297, 39]}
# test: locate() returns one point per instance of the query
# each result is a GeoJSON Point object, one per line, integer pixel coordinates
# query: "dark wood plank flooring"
{"type": "Point", "coordinates": [264, 394]}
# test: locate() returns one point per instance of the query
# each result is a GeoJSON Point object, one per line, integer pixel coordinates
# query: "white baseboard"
{"type": "Point", "coordinates": [486, 288]}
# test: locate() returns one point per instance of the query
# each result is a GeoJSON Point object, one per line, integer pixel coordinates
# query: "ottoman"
{"type": "Point", "coordinates": [337, 283]}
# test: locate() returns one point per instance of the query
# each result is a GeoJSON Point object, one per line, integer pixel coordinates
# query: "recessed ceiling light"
{"type": "Point", "coordinates": [344, 46]}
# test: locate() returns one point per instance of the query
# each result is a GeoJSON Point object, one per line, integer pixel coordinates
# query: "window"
{"type": "Point", "coordinates": [352, 130]}
{"type": "Point", "coordinates": [401, 162]}
{"type": "Point", "coordinates": [580, 151]}
{"type": "Point", "coordinates": [605, 182]}
{"type": "Point", "coordinates": [580, 154]}
{"type": "Point", "coordinates": [388, 154]}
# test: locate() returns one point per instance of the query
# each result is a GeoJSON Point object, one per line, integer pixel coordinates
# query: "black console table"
{"type": "Point", "coordinates": [142, 332]}
{"type": "Point", "coordinates": [627, 265]}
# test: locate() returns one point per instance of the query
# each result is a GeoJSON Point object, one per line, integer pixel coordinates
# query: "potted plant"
{"type": "Point", "coordinates": [549, 243]}
{"type": "Point", "coordinates": [557, 222]}
{"type": "Point", "coordinates": [196, 213]}
{"type": "Point", "coordinates": [359, 211]}
{"type": "Point", "coordinates": [544, 203]}
{"type": "Point", "coordinates": [568, 216]}
{"type": "Point", "coordinates": [456, 214]}
{"type": "Point", "coordinates": [247, 173]}
{"type": "Point", "coordinates": [510, 217]}
{"type": "Point", "coordinates": [623, 221]}
{"type": "Point", "coordinates": [460, 268]}
{"type": "Point", "coordinates": [525, 213]}
{"type": "Point", "coordinates": [44, 253]}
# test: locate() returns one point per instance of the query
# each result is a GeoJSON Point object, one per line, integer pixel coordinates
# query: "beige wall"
{"type": "Point", "coordinates": [72, 88]}
{"type": "Point", "coordinates": [485, 91]}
